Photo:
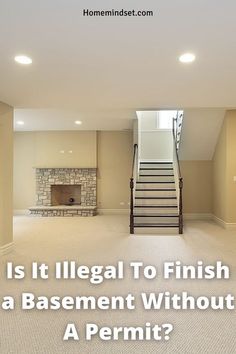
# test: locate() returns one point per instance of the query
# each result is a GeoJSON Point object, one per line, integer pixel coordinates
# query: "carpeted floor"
{"type": "Point", "coordinates": [104, 240]}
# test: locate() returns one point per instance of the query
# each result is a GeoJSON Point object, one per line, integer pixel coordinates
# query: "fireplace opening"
{"type": "Point", "coordinates": [65, 194]}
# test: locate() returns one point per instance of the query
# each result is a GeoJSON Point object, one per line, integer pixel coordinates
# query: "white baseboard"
{"type": "Point", "coordinates": [197, 216]}
{"type": "Point", "coordinates": [20, 212]}
{"type": "Point", "coordinates": [6, 249]}
{"type": "Point", "coordinates": [219, 221]}
{"type": "Point", "coordinates": [187, 216]}
{"type": "Point", "coordinates": [230, 226]}
{"type": "Point", "coordinates": [113, 211]}
{"type": "Point", "coordinates": [222, 223]}
{"type": "Point", "coordinates": [191, 216]}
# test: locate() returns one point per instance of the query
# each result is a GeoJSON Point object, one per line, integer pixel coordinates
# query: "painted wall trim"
{"type": "Point", "coordinates": [6, 249]}
{"type": "Point", "coordinates": [197, 216]}
{"type": "Point", "coordinates": [226, 225]}
{"type": "Point", "coordinates": [21, 212]}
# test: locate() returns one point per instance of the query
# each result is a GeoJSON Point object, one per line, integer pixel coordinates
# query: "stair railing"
{"type": "Point", "coordinates": [177, 126]}
{"type": "Point", "coordinates": [176, 130]}
{"type": "Point", "coordinates": [134, 173]}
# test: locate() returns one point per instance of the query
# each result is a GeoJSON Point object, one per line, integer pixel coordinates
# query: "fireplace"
{"type": "Point", "coordinates": [66, 194]}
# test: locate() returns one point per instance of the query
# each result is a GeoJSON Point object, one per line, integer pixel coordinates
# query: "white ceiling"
{"type": "Point", "coordinates": [103, 69]}
{"type": "Point", "coordinates": [62, 119]}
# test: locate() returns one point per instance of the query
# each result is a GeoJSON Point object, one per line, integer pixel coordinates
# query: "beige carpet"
{"type": "Point", "coordinates": [104, 240]}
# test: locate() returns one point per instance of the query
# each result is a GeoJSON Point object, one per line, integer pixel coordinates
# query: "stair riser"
{"type": "Point", "coordinates": [155, 172]}
{"type": "Point", "coordinates": [156, 179]}
{"type": "Point", "coordinates": [155, 185]}
{"type": "Point", "coordinates": [155, 202]}
{"type": "Point", "coordinates": [155, 193]}
{"type": "Point", "coordinates": [155, 231]}
{"type": "Point", "coordinates": [156, 165]}
{"type": "Point", "coordinates": [155, 210]}
{"type": "Point", "coordinates": [154, 219]}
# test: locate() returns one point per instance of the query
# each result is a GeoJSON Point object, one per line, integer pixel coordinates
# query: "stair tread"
{"type": "Point", "coordinates": [156, 162]}
{"type": "Point", "coordinates": [155, 168]}
{"type": "Point", "coordinates": [155, 206]}
{"type": "Point", "coordinates": [156, 175]}
{"type": "Point", "coordinates": [155, 189]}
{"type": "Point", "coordinates": [156, 215]}
{"type": "Point", "coordinates": [146, 197]}
{"type": "Point", "coordinates": [150, 182]}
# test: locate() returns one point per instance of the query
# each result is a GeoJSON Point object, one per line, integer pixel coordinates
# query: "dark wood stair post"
{"type": "Point", "coordinates": [180, 206]}
{"type": "Point", "coordinates": [131, 225]}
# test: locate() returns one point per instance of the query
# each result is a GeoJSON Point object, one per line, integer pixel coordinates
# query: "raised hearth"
{"type": "Point", "coordinates": [61, 210]}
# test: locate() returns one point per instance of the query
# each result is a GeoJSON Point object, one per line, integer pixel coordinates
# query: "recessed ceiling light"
{"type": "Point", "coordinates": [23, 59]}
{"type": "Point", "coordinates": [187, 58]}
{"type": "Point", "coordinates": [78, 122]}
{"type": "Point", "coordinates": [20, 122]}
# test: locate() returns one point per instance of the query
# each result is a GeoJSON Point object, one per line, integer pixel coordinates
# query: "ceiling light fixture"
{"type": "Point", "coordinates": [187, 58]}
{"type": "Point", "coordinates": [23, 59]}
{"type": "Point", "coordinates": [20, 122]}
{"type": "Point", "coordinates": [78, 122]}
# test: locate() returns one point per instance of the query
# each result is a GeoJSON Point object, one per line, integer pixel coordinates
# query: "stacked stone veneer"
{"type": "Point", "coordinates": [56, 211]}
{"type": "Point", "coordinates": [86, 177]}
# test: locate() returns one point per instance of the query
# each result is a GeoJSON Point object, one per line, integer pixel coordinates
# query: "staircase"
{"type": "Point", "coordinates": [156, 192]}
{"type": "Point", "coordinates": [155, 208]}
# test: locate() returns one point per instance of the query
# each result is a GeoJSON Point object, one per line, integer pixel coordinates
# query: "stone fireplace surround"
{"type": "Point", "coordinates": [47, 177]}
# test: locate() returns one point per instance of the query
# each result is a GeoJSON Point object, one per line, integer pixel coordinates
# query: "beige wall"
{"type": "Point", "coordinates": [231, 167]}
{"type": "Point", "coordinates": [219, 175]}
{"type": "Point", "coordinates": [42, 149]}
{"type": "Point", "coordinates": [209, 186]}
{"type": "Point", "coordinates": [111, 150]}
{"type": "Point", "coordinates": [113, 157]}
{"type": "Point", "coordinates": [197, 192]}
{"type": "Point", "coordinates": [114, 169]}
{"type": "Point", "coordinates": [224, 171]}
{"type": "Point", "coordinates": [24, 173]}
{"type": "Point", "coordinates": [49, 144]}
{"type": "Point", "coordinates": [6, 173]}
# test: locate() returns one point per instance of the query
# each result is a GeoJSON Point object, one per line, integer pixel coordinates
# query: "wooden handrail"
{"type": "Point", "coordinates": [175, 134]}
{"type": "Point", "coordinates": [177, 155]}
{"type": "Point", "coordinates": [131, 225]}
